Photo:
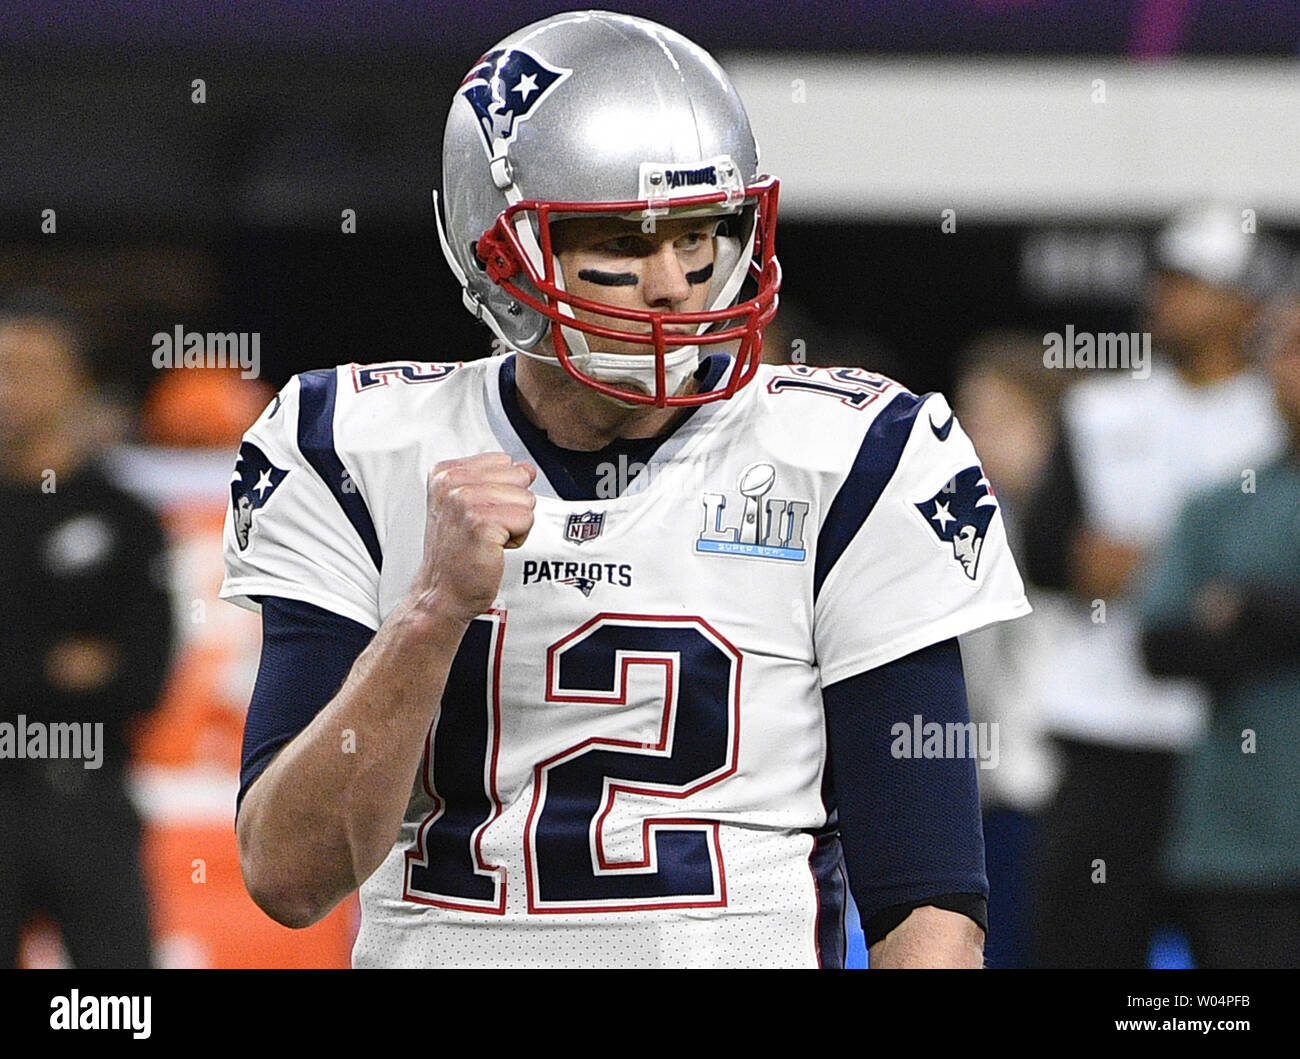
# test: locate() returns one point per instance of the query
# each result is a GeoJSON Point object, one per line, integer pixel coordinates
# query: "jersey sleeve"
{"type": "Point", "coordinates": [298, 526]}
{"type": "Point", "coordinates": [910, 827]}
{"type": "Point", "coordinates": [912, 550]}
{"type": "Point", "coordinates": [307, 654]}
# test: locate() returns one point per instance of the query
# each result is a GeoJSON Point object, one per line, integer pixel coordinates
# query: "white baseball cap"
{"type": "Point", "coordinates": [1208, 243]}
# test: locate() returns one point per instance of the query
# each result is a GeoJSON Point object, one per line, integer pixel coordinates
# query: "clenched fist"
{"type": "Point", "coordinates": [476, 508]}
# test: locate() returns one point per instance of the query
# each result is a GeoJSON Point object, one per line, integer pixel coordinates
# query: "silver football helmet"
{"type": "Point", "coordinates": [593, 113]}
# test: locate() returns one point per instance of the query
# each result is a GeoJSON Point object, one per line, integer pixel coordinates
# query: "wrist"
{"type": "Point", "coordinates": [432, 612]}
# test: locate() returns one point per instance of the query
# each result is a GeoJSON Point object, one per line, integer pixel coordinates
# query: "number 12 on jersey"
{"type": "Point", "coordinates": [568, 865]}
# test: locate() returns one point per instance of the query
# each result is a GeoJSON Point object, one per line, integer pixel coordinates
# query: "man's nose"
{"type": "Point", "coordinates": [665, 282]}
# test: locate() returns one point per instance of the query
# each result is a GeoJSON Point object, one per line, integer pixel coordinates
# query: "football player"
{"type": "Point", "coordinates": [615, 649]}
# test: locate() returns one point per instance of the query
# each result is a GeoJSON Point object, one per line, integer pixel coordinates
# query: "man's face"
{"type": "Point", "coordinates": [1185, 314]}
{"type": "Point", "coordinates": [1009, 426]}
{"type": "Point", "coordinates": [40, 379]}
{"type": "Point", "coordinates": [611, 260]}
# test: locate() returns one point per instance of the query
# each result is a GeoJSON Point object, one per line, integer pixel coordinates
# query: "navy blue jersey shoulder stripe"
{"type": "Point", "coordinates": [872, 469]}
{"type": "Point", "coordinates": [316, 391]}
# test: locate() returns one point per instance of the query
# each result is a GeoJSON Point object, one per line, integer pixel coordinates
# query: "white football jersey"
{"type": "Point", "coordinates": [627, 766]}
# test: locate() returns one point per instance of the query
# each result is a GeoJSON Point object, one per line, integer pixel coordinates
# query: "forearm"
{"type": "Point", "coordinates": [931, 937]}
{"type": "Point", "coordinates": [324, 813]}
{"type": "Point", "coordinates": [1188, 650]}
{"type": "Point", "coordinates": [1261, 631]}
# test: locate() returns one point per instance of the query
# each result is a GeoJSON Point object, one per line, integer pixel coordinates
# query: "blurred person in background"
{"type": "Point", "coordinates": [1131, 450]}
{"type": "Point", "coordinates": [1008, 405]}
{"type": "Point", "coordinates": [1224, 609]}
{"type": "Point", "coordinates": [186, 754]}
{"type": "Point", "coordinates": [87, 633]}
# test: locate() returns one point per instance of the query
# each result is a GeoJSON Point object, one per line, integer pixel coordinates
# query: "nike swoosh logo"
{"type": "Point", "coordinates": [942, 432]}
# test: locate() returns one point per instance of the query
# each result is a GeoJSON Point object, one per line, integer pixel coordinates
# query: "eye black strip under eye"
{"type": "Point", "coordinates": [608, 279]}
{"type": "Point", "coordinates": [700, 275]}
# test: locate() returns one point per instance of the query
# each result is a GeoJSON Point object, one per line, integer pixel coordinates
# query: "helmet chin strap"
{"type": "Point", "coordinates": [636, 371]}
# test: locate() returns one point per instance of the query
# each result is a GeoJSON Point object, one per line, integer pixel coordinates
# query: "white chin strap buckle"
{"type": "Point", "coordinates": [636, 371]}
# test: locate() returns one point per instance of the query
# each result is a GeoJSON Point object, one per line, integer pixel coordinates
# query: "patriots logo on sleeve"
{"type": "Point", "coordinates": [504, 88]}
{"type": "Point", "coordinates": [960, 514]}
{"type": "Point", "coordinates": [255, 479]}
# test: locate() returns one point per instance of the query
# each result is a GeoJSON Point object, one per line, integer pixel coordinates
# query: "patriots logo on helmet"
{"type": "Point", "coordinates": [504, 88]}
{"type": "Point", "coordinates": [960, 513]}
{"type": "Point", "coordinates": [255, 479]}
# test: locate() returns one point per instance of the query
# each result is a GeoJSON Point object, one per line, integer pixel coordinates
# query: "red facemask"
{"type": "Point", "coordinates": [504, 257]}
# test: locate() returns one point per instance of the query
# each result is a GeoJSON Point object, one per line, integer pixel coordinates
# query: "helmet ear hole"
{"type": "Point", "coordinates": [473, 256]}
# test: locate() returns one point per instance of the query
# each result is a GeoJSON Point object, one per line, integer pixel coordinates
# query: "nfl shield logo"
{"type": "Point", "coordinates": [584, 527]}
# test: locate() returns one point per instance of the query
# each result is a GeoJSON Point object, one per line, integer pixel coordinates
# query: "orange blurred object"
{"type": "Point", "coordinates": [202, 408]}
